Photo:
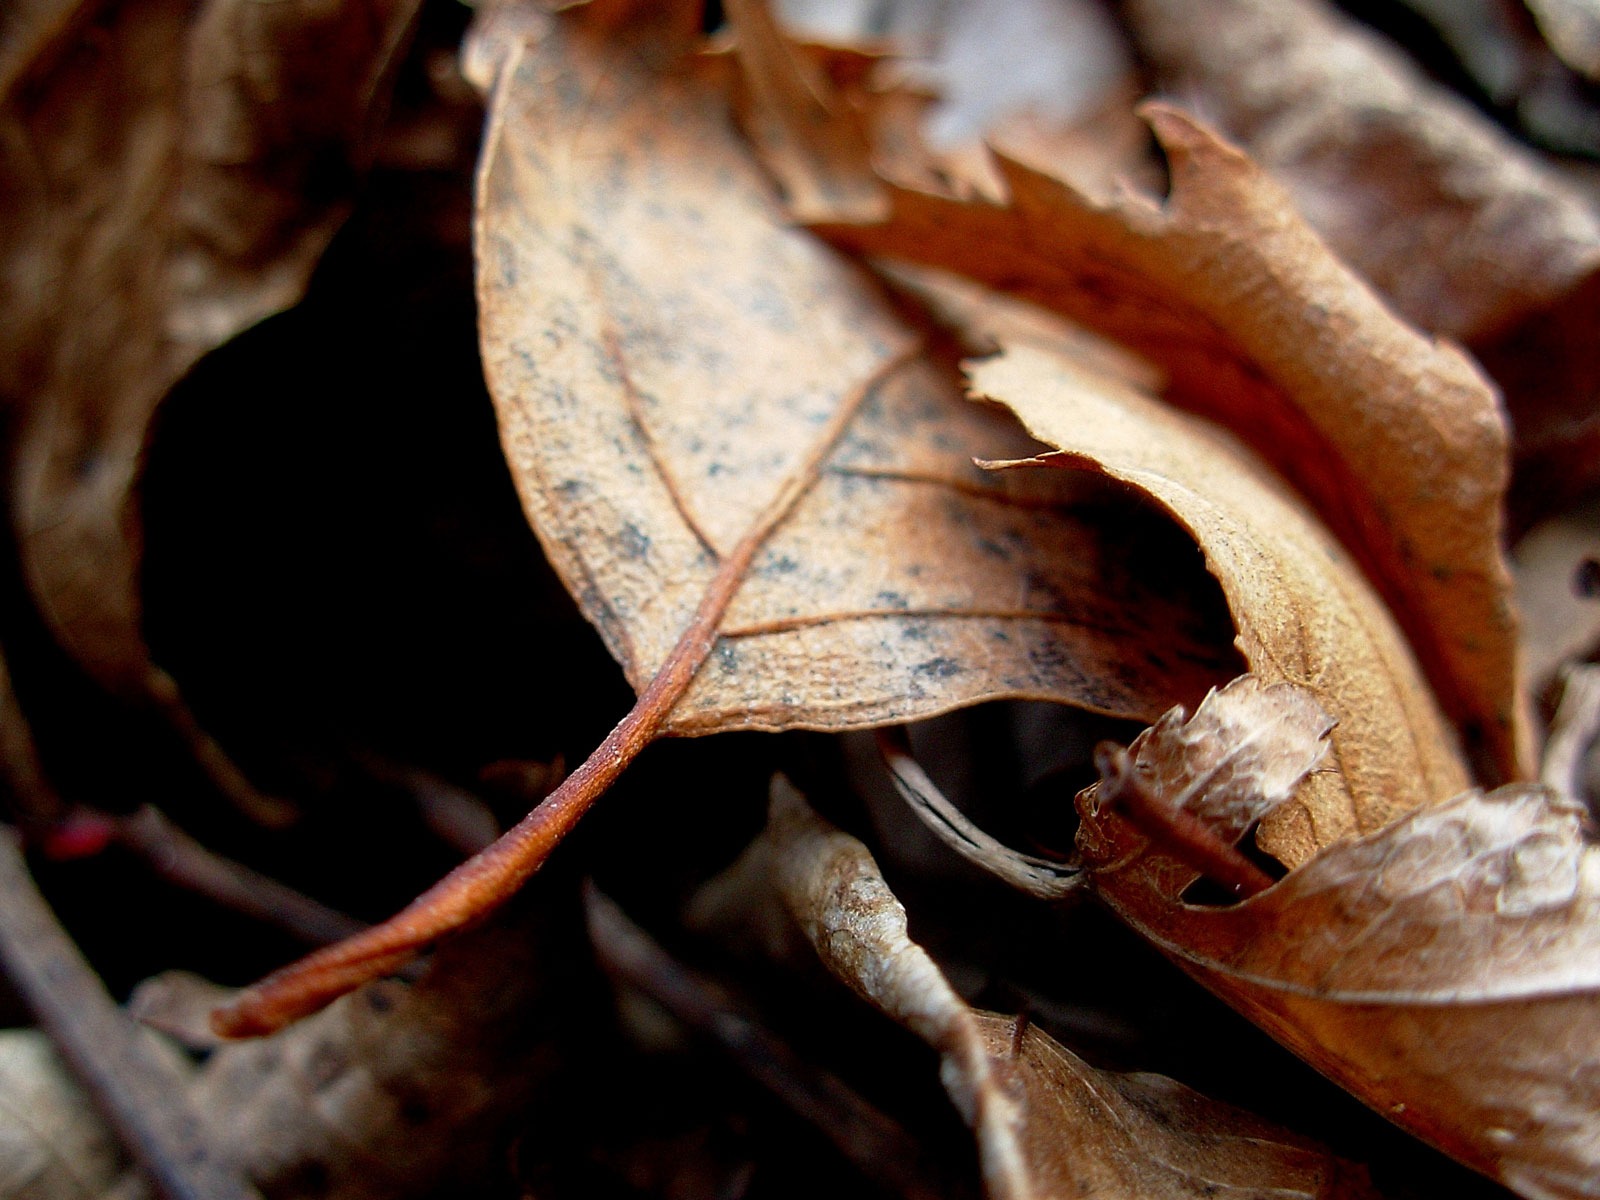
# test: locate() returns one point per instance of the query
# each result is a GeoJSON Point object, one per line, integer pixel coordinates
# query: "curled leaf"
{"type": "Point", "coordinates": [1467, 232]}
{"type": "Point", "coordinates": [1047, 1123]}
{"type": "Point", "coordinates": [1305, 614]}
{"type": "Point", "coordinates": [1396, 439]}
{"type": "Point", "coordinates": [673, 363]}
{"type": "Point", "coordinates": [739, 459]}
{"type": "Point", "coordinates": [1443, 968]}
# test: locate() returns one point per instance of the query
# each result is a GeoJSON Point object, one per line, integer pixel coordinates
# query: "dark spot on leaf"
{"type": "Point", "coordinates": [633, 542]}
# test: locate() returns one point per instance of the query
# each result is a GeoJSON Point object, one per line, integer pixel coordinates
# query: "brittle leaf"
{"type": "Point", "coordinates": [739, 459]}
{"type": "Point", "coordinates": [669, 357]}
{"type": "Point", "coordinates": [1305, 614]}
{"type": "Point", "coordinates": [1445, 968]}
{"type": "Point", "coordinates": [171, 176]}
{"type": "Point", "coordinates": [1047, 1123]}
{"type": "Point", "coordinates": [1395, 438]}
{"type": "Point", "coordinates": [1468, 233]}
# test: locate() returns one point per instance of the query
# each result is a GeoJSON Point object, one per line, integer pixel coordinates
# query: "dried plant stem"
{"type": "Point", "coordinates": [1576, 725]}
{"type": "Point", "coordinates": [1039, 877]}
{"type": "Point", "coordinates": [1173, 831]}
{"type": "Point", "coordinates": [138, 1094]}
{"type": "Point", "coordinates": [181, 860]}
{"type": "Point", "coordinates": [488, 879]}
{"type": "Point", "coordinates": [879, 1148]}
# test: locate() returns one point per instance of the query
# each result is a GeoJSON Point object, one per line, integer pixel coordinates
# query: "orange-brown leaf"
{"type": "Point", "coordinates": [1445, 968]}
{"type": "Point", "coordinates": [1048, 1124]}
{"type": "Point", "coordinates": [670, 358]}
{"type": "Point", "coordinates": [1304, 612]}
{"type": "Point", "coordinates": [1395, 438]}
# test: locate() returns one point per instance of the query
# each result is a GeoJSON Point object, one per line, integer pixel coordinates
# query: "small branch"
{"type": "Point", "coordinates": [1028, 873]}
{"type": "Point", "coordinates": [141, 1096]}
{"type": "Point", "coordinates": [487, 880]}
{"type": "Point", "coordinates": [876, 1145]}
{"type": "Point", "coordinates": [269, 812]}
{"type": "Point", "coordinates": [179, 859]}
{"type": "Point", "coordinates": [1173, 831]}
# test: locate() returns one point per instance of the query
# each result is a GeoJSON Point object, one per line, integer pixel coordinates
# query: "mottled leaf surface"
{"type": "Point", "coordinates": [1395, 438]}
{"type": "Point", "coordinates": [1305, 613]}
{"type": "Point", "coordinates": [670, 359]}
{"type": "Point", "coordinates": [1444, 968]}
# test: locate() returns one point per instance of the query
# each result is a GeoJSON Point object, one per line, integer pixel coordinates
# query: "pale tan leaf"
{"type": "Point", "coordinates": [1395, 438]}
{"type": "Point", "coordinates": [815, 141]}
{"type": "Point", "coordinates": [170, 177]}
{"type": "Point", "coordinates": [53, 1145]}
{"type": "Point", "coordinates": [1047, 1123]}
{"type": "Point", "coordinates": [1572, 27]}
{"type": "Point", "coordinates": [1305, 614]}
{"type": "Point", "coordinates": [1240, 756]}
{"type": "Point", "coordinates": [1445, 969]}
{"type": "Point", "coordinates": [1468, 233]}
{"type": "Point", "coordinates": [674, 364]}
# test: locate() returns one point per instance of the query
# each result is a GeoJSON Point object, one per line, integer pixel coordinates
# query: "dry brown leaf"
{"type": "Point", "coordinates": [171, 176]}
{"type": "Point", "coordinates": [1462, 228]}
{"type": "Point", "coordinates": [1469, 234]}
{"type": "Point", "coordinates": [1572, 27]}
{"type": "Point", "coordinates": [405, 1091]}
{"type": "Point", "coordinates": [1047, 1123]}
{"type": "Point", "coordinates": [1396, 439]}
{"type": "Point", "coordinates": [53, 1145]}
{"type": "Point", "coordinates": [1304, 613]}
{"type": "Point", "coordinates": [1049, 82]}
{"type": "Point", "coordinates": [631, 255]}
{"type": "Point", "coordinates": [814, 140]}
{"type": "Point", "coordinates": [1445, 968]}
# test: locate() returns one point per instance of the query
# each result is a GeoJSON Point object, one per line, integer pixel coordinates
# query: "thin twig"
{"type": "Point", "coordinates": [141, 1096]}
{"type": "Point", "coordinates": [181, 860]}
{"type": "Point", "coordinates": [1040, 877]}
{"type": "Point", "coordinates": [1573, 731]}
{"type": "Point", "coordinates": [488, 879]}
{"type": "Point", "coordinates": [876, 1145]}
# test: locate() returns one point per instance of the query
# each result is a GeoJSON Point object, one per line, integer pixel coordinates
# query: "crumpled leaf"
{"type": "Point", "coordinates": [53, 1145]}
{"type": "Point", "coordinates": [1469, 234]}
{"type": "Point", "coordinates": [1444, 968]}
{"type": "Point", "coordinates": [674, 365]}
{"type": "Point", "coordinates": [1395, 438]}
{"type": "Point", "coordinates": [1047, 1123]}
{"type": "Point", "coordinates": [171, 176]}
{"type": "Point", "coordinates": [1304, 613]}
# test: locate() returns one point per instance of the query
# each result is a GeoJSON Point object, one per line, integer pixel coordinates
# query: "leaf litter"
{"type": "Point", "coordinates": [748, 452]}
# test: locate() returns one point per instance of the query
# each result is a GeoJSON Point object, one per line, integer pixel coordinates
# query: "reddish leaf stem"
{"type": "Point", "coordinates": [1174, 831]}
{"type": "Point", "coordinates": [488, 879]}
